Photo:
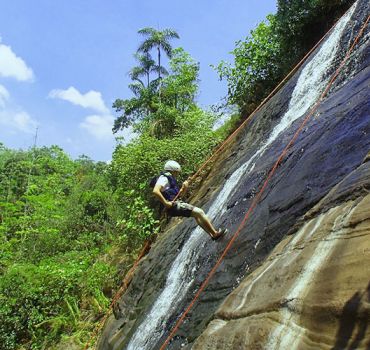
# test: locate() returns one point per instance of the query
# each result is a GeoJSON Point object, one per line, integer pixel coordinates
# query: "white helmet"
{"type": "Point", "coordinates": [171, 165]}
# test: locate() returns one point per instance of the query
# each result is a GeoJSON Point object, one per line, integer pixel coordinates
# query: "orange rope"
{"type": "Point", "coordinates": [125, 284]}
{"type": "Point", "coordinates": [258, 196]}
{"type": "Point", "coordinates": [266, 99]}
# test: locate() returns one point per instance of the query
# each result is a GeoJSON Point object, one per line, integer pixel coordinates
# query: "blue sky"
{"type": "Point", "coordinates": [63, 63]}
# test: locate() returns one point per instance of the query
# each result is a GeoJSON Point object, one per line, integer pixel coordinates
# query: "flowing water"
{"type": "Point", "coordinates": [310, 85]}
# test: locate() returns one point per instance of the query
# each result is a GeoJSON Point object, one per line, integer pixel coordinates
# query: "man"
{"type": "Point", "coordinates": [166, 190]}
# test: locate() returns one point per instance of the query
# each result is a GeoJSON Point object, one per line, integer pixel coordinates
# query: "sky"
{"type": "Point", "coordinates": [64, 63]}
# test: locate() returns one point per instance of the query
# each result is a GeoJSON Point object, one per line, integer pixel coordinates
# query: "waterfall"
{"type": "Point", "coordinates": [310, 85]}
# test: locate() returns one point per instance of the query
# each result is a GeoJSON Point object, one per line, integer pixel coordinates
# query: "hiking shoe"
{"type": "Point", "coordinates": [220, 233]}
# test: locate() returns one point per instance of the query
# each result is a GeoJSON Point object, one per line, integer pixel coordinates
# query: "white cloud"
{"type": "Point", "coordinates": [13, 117]}
{"type": "Point", "coordinates": [4, 96]}
{"type": "Point", "coordinates": [13, 66]}
{"type": "Point", "coordinates": [24, 122]}
{"type": "Point", "coordinates": [18, 120]}
{"type": "Point", "coordinates": [100, 126]}
{"type": "Point", "coordinates": [92, 99]}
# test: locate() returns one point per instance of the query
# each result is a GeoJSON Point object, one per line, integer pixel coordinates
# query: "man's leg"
{"type": "Point", "coordinates": [203, 221]}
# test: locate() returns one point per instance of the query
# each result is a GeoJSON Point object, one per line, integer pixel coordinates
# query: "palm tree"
{"type": "Point", "coordinates": [145, 67]}
{"type": "Point", "coordinates": [158, 39]}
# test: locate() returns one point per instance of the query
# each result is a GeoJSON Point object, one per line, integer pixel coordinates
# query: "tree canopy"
{"type": "Point", "coordinates": [158, 39]}
{"type": "Point", "coordinates": [146, 111]}
{"type": "Point", "coordinates": [265, 56]}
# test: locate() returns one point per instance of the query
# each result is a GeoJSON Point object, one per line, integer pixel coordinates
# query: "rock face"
{"type": "Point", "coordinates": [313, 291]}
{"type": "Point", "coordinates": [297, 276]}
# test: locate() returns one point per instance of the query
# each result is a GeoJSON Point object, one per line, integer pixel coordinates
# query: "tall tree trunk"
{"type": "Point", "coordinates": [159, 73]}
{"type": "Point", "coordinates": [159, 63]}
{"type": "Point", "coordinates": [148, 71]}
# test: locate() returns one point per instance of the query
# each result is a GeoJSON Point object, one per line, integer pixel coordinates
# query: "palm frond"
{"type": "Point", "coordinates": [154, 84]}
{"type": "Point", "coordinates": [146, 62]}
{"type": "Point", "coordinates": [147, 45]}
{"type": "Point", "coordinates": [136, 72]}
{"type": "Point", "coordinates": [161, 69]}
{"type": "Point", "coordinates": [137, 88]}
{"type": "Point", "coordinates": [147, 31]}
{"type": "Point", "coordinates": [170, 34]}
{"type": "Point", "coordinates": [167, 48]}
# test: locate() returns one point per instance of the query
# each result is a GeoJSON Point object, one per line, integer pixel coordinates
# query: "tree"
{"type": "Point", "coordinates": [178, 91]}
{"type": "Point", "coordinates": [136, 108]}
{"type": "Point", "coordinates": [146, 66]}
{"type": "Point", "coordinates": [158, 39]}
{"type": "Point", "coordinates": [256, 66]}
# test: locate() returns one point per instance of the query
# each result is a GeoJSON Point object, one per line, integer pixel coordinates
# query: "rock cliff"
{"type": "Point", "coordinates": [297, 276]}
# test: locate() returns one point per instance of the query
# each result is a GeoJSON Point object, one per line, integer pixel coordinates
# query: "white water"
{"type": "Point", "coordinates": [309, 86]}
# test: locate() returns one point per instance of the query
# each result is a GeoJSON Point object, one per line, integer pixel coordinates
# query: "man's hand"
{"type": "Point", "coordinates": [184, 186]}
{"type": "Point", "coordinates": [168, 204]}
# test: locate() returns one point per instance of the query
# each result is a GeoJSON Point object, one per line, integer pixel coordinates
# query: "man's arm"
{"type": "Point", "coordinates": [157, 192]}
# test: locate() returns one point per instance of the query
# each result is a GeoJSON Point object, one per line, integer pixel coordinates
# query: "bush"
{"type": "Point", "coordinates": [40, 303]}
{"type": "Point", "coordinates": [134, 164]}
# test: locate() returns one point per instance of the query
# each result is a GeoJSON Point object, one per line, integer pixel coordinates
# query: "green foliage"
{"type": "Point", "coordinates": [274, 47]}
{"type": "Point", "coordinates": [57, 217]}
{"type": "Point", "coordinates": [145, 68]}
{"type": "Point", "coordinates": [256, 66]}
{"type": "Point", "coordinates": [181, 86]}
{"type": "Point", "coordinates": [138, 222]}
{"type": "Point", "coordinates": [157, 107]}
{"type": "Point", "coordinates": [143, 158]}
{"type": "Point", "coordinates": [41, 302]}
{"type": "Point", "coordinates": [159, 40]}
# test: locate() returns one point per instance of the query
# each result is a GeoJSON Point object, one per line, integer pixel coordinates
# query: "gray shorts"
{"type": "Point", "coordinates": [180, 209]}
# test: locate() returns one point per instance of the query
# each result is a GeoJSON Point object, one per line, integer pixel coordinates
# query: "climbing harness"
{"type": "Point", "coordinates": [259, 194]}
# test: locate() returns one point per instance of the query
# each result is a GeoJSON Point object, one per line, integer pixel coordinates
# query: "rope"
{"type": "Point", "coordinates": [259, 194]}
{"type": "Point", "coordinates": [265, 100]}
{"type": "Point", "coordinates": [125, 284]}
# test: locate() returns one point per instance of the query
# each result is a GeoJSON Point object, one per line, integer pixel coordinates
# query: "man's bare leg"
{"type": "Point", "coordinates": [204, 222]}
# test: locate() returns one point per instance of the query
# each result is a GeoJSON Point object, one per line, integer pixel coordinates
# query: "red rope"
{"type": "Point", "coordinates": [266, 99]}
{"type": "Point", "coordinates": [258, 196]}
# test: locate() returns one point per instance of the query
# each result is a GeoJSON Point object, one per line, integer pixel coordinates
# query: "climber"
{"type": "Point", "coordinates": [166, 190]}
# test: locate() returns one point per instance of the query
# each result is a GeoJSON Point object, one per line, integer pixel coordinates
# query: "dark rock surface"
{"type": "Point", "coordinates": [332, 144]}
{"type": "Point", "coordinates": [313, 290]}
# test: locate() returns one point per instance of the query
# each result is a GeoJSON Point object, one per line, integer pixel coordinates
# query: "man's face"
{"type": "Point", "coordinates": [175, 173]}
